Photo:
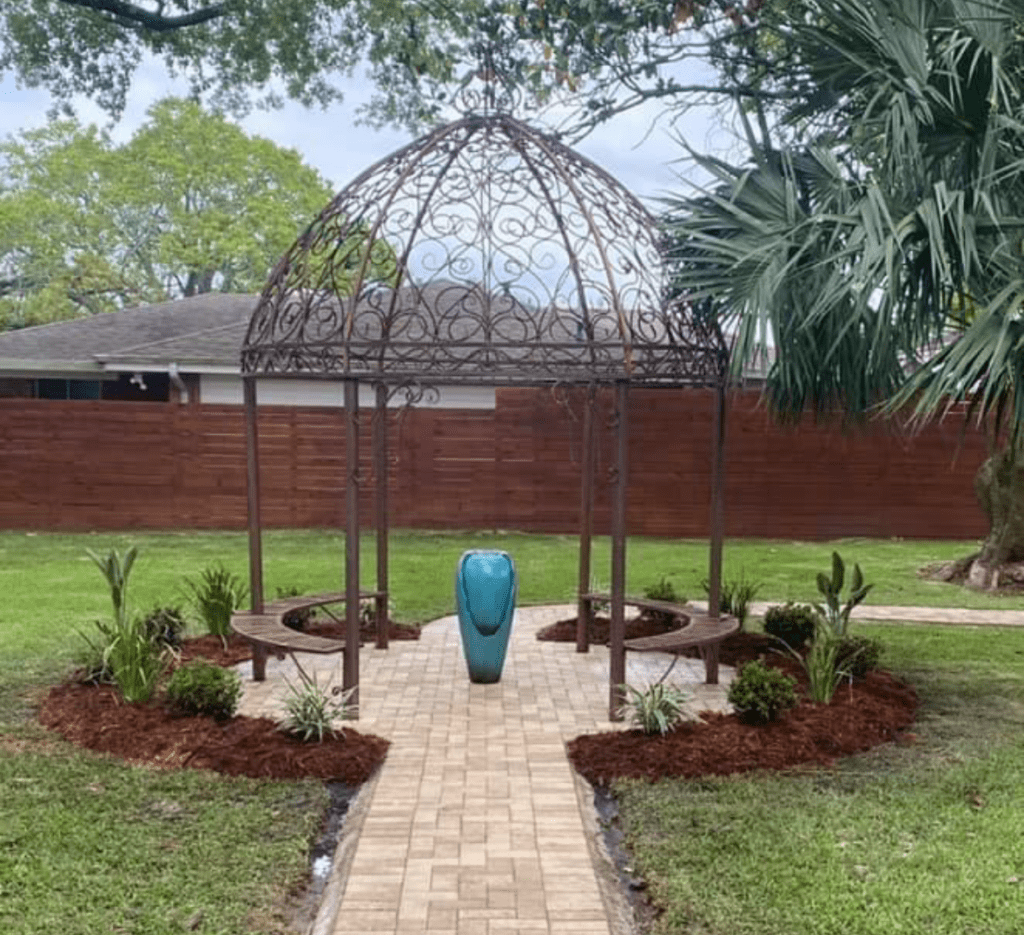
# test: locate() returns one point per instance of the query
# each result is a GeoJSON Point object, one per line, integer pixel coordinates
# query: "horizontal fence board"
{"type": "Point", "coordinates": [112, 465]}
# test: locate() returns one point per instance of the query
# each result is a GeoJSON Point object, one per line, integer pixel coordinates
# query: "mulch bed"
{"type": "Point", "coordinates": [875, 710]}
{"type": "Point", "coordinates": [95, 717]}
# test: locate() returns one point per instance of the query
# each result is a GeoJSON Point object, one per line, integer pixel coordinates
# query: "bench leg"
{"type": "Point", "coordinates": [259, 662]}
{"type": "Point", "coordinates": [710, 654]}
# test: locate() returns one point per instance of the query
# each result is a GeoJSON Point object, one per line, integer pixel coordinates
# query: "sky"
{"type": "Point", "coordinates": [640, 157]}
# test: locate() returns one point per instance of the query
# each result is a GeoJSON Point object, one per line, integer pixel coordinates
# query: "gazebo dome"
{"type": "Point", "coordinates": [485, 252]}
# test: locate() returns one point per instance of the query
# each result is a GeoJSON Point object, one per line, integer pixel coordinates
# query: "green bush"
{"type": "Point", "coordinates": [662, 591]}
{"type": "Point", "coordinates": [200, 687]}
{"type": "Point", "coordinates": [759, 693]}
{"type": "Point", "coordinates": [791, 623]}
{"type": "Point", "coordinates": [164, 626]}
{"type": "Point", "coordinates": [858, 655]}
{"type": "Point", "coordinates": [655, 710]}
{"type": "Point", "coordinates": [216, 596]}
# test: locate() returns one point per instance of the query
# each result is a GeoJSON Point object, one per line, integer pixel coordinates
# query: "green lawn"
{"type": "Point", "coordinates": [925, 839]}
{"type": "Point", "coordinates": [90, 845]}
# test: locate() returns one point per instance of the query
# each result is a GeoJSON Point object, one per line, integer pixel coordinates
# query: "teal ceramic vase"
{"type": "Point", "coordinates": [485, 594]}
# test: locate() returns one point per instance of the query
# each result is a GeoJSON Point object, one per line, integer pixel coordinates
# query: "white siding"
{"type": "Point", "coordinates": [227, 389]}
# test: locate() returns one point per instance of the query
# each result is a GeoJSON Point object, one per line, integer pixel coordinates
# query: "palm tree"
{"type": "Point", "coordinates": [880, 246]}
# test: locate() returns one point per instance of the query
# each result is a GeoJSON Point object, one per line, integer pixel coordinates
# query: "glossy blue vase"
{"type": "Point", "coordinates": [485, 593]}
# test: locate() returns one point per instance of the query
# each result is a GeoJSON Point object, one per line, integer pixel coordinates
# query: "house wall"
{"type": "Point", "coordinates": [113, 465]}
{"type": "Point", "coordinates": [226, 389]}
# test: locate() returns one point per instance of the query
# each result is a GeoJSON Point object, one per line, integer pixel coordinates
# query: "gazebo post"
{"type": "Point", "coordinates": [252, 492]}
{"type": "Point", "coordinates": [351, 662]}
{"type": "Point", "coordinates": [584, 607]}
{"type": "Point", "coordinates": [380, 458]}
{"type": "Point", "coordinates": [617, 648]}
{"type": "Point", "coordinates": [717, 502]}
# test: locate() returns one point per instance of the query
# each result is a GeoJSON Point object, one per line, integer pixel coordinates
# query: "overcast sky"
{"type": "Point", "coordinates": [332, 142]}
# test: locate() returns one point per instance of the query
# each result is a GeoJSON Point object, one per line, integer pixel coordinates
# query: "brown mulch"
{"type": "Point", "coordinates": [95, 717]}
{"type": "Point", "coordinates": [862, 715]}
{"type": "Point", "coordinates": [865, 714]}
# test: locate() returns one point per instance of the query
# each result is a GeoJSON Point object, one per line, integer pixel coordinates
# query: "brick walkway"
{"type": "Point", "coordinates": [476, 824]}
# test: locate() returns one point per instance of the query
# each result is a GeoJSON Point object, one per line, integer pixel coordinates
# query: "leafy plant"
{"type": "Point", "coordinates": [663, 590]}
{"type": "Point", "coordinates": [165, 626]}
{"type": "Point", "coordinates": [123, 654]}
{"type": "Point", "coordinates": [735, 596]}
{"type": "Point", "coordinates": [837, 615]}
{"type": "Point", "coordinates": [792, 624]}
{"type": "Point", "coordinates": [759, 693]}
{"type": "Point", "coordinates": [216, 596]}
{"type": "Point", "coordinates": [656, 709]}
{"type": "Point", "coordinates": [822, 664]}
{"type": "Point", "coordinates": [312, 710]}
{"type": "Point", "coordinates": [858, 655]}
{"type": "Point", "coordinates": [117, 570]}
{"type": "Point", "coordinates": [201, 687]}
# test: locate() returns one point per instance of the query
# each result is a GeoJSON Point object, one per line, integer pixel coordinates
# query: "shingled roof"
{"type": "Point", "coordinates": [205, 329]}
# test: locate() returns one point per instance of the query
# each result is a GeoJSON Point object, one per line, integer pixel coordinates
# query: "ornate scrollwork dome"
{"type": "Point", "coordinates": [483, 253]}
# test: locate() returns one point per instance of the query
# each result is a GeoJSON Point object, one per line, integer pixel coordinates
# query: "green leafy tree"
{"type": "Point", "coordinates": [232, 51]}
{"type": "Point", "coordinates": [880, 247]}
{"type": "Point", "coordinates": [599, 57]}
{"type": "Point", "coordinates": [190, 204]}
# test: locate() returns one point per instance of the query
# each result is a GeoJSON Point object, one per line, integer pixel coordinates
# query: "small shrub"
{"type": "Point", "coordinates": [164, 626]}
{"type": "Point", "coordinates": [791, 623]}
{"type": "Point", "coordinates": [858, 655]}
{"type": "Point", "coordinates": [200, 687]}
{"type": "Point", "coordinates": [735, 597]}
{"type": "Point", "coordinates": [312, 710]}
{"type": "Point", "coordinates": [662, 591]}
{"type": "Point", "coordinates": [655, 710]}
{"type": "Point", "coordinates": [216, 596]}
{"type": "Point", "coordinates": [760, 693]}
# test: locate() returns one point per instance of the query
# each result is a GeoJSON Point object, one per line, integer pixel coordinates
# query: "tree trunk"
{"type": "Point", "coordinates": [999, 487]}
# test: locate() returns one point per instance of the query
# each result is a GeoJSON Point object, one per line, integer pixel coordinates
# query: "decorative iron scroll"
{"type": "Point", "coordinates": [483, 253]}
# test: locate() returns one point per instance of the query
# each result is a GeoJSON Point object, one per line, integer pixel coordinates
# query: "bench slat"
{"type": "Point", "coordinates": [284, 605]}
{"type": "Point", "coordinates": [268, 630]}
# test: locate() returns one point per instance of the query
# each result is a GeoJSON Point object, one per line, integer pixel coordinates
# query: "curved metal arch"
{"type": "Point", "coordinates": [541, 269]}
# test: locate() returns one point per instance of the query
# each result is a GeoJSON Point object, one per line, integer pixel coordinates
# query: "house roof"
{"type": "Point", "coordinates": [205, 329]}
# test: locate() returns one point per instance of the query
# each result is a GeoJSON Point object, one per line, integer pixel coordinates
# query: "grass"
{"type": "Point", "coordinates": [922, 839]}
{"type": "Point", "coordinates": [88, 844]}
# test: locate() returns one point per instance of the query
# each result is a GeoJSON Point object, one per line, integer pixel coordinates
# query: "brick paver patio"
{"type": "Point", "coordinates": [475, 824]}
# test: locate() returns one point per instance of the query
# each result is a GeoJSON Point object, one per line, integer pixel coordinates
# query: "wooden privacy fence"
{"type": "Point", "coordinates": [114, 465]}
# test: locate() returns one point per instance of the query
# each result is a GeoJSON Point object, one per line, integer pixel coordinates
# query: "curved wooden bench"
{"type": "Point", "coordinates": [696, 629]}
{"type": "Point", "coordinates": [268, 633]}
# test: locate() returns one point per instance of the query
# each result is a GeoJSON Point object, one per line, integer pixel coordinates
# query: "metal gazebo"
{"type": "Point", "coordinates": [484, 253]}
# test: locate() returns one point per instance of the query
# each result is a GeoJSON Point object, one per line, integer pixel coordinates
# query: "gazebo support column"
{"type": "Point", "coordinates": [717, 518]}
{"type": "Point", "coordinates": [584, 608]}
{"type": "Point", "coordinates": [617, 648]}
{"type": "Point", "coordinates": [252, 492]}
{"type": "Point", "coordinates": [351, 663]}
{"type": "Point", "coordinates": [380, 470]}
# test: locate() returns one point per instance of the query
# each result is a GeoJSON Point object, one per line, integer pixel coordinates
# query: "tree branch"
{"type": "Point", "coordinates": [129, 14]}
